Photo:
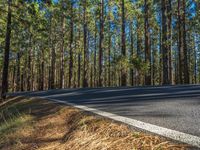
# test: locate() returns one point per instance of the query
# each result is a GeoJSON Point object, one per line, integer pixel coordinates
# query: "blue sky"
{"type": "Point", "coordinates": [55, 1]}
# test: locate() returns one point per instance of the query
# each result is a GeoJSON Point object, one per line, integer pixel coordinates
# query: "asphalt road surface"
{"type": "Point", "coordinates": [172, 107]}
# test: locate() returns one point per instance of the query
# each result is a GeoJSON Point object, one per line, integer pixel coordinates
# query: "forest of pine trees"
{"type": "Point", "coordinates": [98, 43]}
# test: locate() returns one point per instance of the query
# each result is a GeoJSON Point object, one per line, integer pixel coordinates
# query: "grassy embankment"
{"type": "Point", "coordinates": [38, 124]}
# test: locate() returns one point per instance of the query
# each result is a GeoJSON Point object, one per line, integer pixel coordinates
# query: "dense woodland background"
{"type": "Point", "coordinates": [98, 43]}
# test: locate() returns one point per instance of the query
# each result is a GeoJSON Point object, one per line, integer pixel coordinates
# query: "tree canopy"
{"type": "Point", "coordinates": [98, 43]}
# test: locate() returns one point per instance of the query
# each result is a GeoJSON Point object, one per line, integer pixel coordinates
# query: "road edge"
{"type": "Point", "coordinates": [165, 132]}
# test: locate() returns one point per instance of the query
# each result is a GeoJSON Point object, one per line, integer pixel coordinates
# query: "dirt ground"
{"type": "Point", "coordinates": [30, 124]}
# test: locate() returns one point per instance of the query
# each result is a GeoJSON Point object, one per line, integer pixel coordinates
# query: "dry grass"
{"type": "Point", "coordinates": [48, 126]}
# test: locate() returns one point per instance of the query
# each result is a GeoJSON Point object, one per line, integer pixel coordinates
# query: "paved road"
{"type": "Point", "coordinates": [173, 107]}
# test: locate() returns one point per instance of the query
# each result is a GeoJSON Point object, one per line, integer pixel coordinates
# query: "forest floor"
{"type": "Point", "coordinates": [30, 123]}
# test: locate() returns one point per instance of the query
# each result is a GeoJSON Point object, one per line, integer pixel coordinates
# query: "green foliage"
{"type": "Point", "coordinates": [37, 28]}
{"type": "Point", "coordinates": [139, 64]}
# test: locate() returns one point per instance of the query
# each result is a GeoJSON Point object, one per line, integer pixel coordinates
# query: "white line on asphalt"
{"type": "Point", "coordinates": [169, 133]}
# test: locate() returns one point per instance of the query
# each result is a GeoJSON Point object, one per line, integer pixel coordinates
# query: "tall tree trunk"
{"type": "Point", "coordinates": [180, 44]}
{"type": "Point", "coordinates": [13, 78]}
{"type": "Point", "coordinates": [41, 74]}
{"type": "Point", "coordinates": [169, 24]}
{"type": "Point", "coordinates": [70, 47]}
{"type": "Point", "coordinates": [109, 47]}
{"type": "Point", "coordinates": [177, 65]}
{"type": "Point", "coordinates": [95, 56]}
{"type": "Point", "coordinates": [123, 45]}
{"type": "Point", "coordinates": [186, 70]}
{"type": "Point", "coordinates": [91, 75]}
{"type": "Point", "coordinates": [29, 64]}
{"type": "Point", "coordinates": [101, 36]}
{"type": "Point", "coordinates": [79, 57]}
{"type": "Point", "coordinates": [195, 61]}
{"type": "Point", "coordinates": [139, 47]}
{"type": "Point", "coordinates": [79, 69]}
{"type": "Point", "coordinates": [160, 61]}
{"type": "Point", "coordinates": [147, 43]}
{"type": "Point", "coordinates": [74, 70]}
{"type": "Point", "coordinates": [6, 54]}
{"type": "Point", "coordinates": [62, 53]}
{"type": "Point", "coordinates": [22, 82]}
{"type": "Point", "coordinates": [85, 67]}
{"type": "Point", "coordinates": [154, 62]}
{"type": "Point", "coordinates": [53, 58]}
{"type": "Point", "coordinates": [131, 53]}
{"type": "Point", "coordinates": [164, 45]}
{"type": "Point", "coordinates": [18, 73]}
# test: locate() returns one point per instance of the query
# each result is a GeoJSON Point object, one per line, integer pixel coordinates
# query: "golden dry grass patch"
{"type": "Point", "coordinates": [57, 127]}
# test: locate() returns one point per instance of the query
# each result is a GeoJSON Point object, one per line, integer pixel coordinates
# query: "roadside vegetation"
{"type": "Point", "coordinates": [38, 124]}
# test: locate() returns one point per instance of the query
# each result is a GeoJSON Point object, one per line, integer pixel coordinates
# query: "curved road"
{"type": "Point", "coordinates": [172, 107]}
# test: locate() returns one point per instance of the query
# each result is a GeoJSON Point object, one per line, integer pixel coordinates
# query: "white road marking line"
{"type": "Point", "coordinates": [169, 133]}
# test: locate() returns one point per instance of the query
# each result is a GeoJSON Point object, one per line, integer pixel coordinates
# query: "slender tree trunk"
{"type": "Point", "coordinates": [6, 54]}
{"type": "Point", "coordinates": [85, 67]}
{"type": "Point", "coordinates": [169, 24]}
{"type": "Point", "coordinates": [39, 72]}
{"type": "Point", "coordinates": [154, 63]}
{"type": "Point", "coordinates": [79, 69]}
{"type": "Point", "coordinates": [18, 73]}
{"type": "Point", "coordinates": [70, 47]}
{"type": "Point", "coordinates": [41, 75]}
{"type": "Point", "coordinates": [180, 44]}
{"type": "Point", "coordinates": [147, 44]}
{"type": "Point", "coordinates": [123, 46]}
{"type": "Point", "coordinates": [53, 58]}
{"type": "Point", "coordinates": [101, 36]}
{"type": "Point", "coordinates": [13, 78]}
{"type": "Point", "coordinates": [176, 65]}
{"type": "Point", "coordinates": [131, 53]}
{"type": "Point", "coordinates": [79, 59]}
{"type": "Point", "coordinates": [22, 82]}
{"type": "Point", "coordinates": [74, 58]}
{"type": "Point", "coordinates": [139, 47]}
{"type": "Point", "coordinates": [186, 70]}
{"type": "Point", "coordinates": [91, 75]}
{"type": "Point", "coordinates": [33, 76]}
{"type": "Point", "coordinates": [62, 54]}
{"type": "Point", "coordinates": [29, 64]}
{"type": "Point", "coordinates": [109, 49]}
{"type": "Point", "coordinates": [164, 45]}
{"type": "Point", "coordinates": [43, 72]}
{"type": "Point", "coordinates": [95, 56]}
{"type": "Point", "coordinates": [160, 62]}
{"type": "Point", "coordinates": [195, 61]}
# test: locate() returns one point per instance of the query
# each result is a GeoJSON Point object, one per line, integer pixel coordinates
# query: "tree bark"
{"type": "Point", "coordinates": [95, 56]}
{"type": "Point", "coordinates": [29, 64]}
{"type": "Point", "coordinates": [123, 46]}
{"type": "Point", "coordinates": [85, 67]}
{"type": "Point", "coordinates": [70, 47]}
{"type": "Point", "coordinates": [53, 58]}
{"type": "Point", "coordinates": [6, 54]}
{"type": "Point", "coordinates": [13, 78]}
{"type": "Point", "coordinates": [160, 61]}
{"type": "Point", "coordinates": [18, 73]}
{"type": "Point", "coordinates": [109, 48]}
{"type": "Point", "coordinates": [101, 36]}
{"type": "Point", "coordinates": [169, 24]}
{"type": "Point", "coordinates": [186, 70]}
{"type": "Point", "coordinates": [62, 54]}
{"type": "Point", "coordinates": [139, 48]}
{"type": "Point", "coordinates": [147, 44]}
{"type": "Point", "coordinates": [131, 53]}
{"type": "Point", "coordinates": [164, 45]}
